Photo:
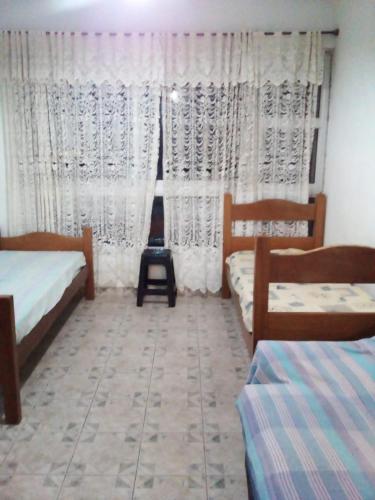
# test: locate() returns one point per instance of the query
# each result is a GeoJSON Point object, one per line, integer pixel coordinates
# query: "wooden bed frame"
{"type": "Point", "coordinates": [268, 210]}
{"type": "Point", "coordinates": [336, 264]}
{"type": "Point", "coordinates": [13, 355]}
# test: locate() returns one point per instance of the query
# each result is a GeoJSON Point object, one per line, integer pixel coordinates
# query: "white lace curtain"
{"type": "Point", "coordinates": [82, 140]}
{"type": "Point", "coordinates": [251, 138]}
{"type": "Point", "coordinates": [161, 58]}
{"type": "Point", "coordinates": [81, 123]}
{"type": "Point", "coordinates": [85, 155]}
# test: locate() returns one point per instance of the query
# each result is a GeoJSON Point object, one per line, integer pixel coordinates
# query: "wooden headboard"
{"type": "Point", "coordinates": [271, 210]}
{"type": "Point", "coordinates": [337, 264]}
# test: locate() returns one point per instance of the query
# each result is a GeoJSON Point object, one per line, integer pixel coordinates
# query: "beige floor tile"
{"type": "Point", "coordinates": [174, 416]}
{"type": "Point", "coordinates": [78, 487]}
{"type": "Point", "coordinates": [11, 433]}
{"type": "Point", "coordinates": [43, 454]}
{"type": "Point", "coordinates": [29, 487]}
{"type": "Point", "coordinates": [186, 356]}
{"type": "Point", "coordinates": [129, 361]}
{"type": "Point", "coordinates": [227, 487]}
{"type": "Point", "coordinates": [50, 372]}
{"type": "Point", "coordinates": [6, 443]}
{"type": "Point", "coordinates": [175, 383]}
{"type": "Point", "coordinates": [170, 488]}
{"type": "Point", "coordinates": [73, 385]}
{"type": "Point", "coordinates": [104, 454]}
{"type": "Point", "coordinates": [116, 416]}
{"type": "Point", "coordinates": [221, 421]}
{"type": "Point", "coordinates": [225, 453]}
{"type": "Point", "coordinates": [187, 392]}
{"type": "Point", "coordinates": [221, 398]}
{"type": "Point", "coordinates": [171, 454]}
{"type": "Point", "coordinates": [56, 415]}
{"type": "Point", "coordinates": [121, 384]}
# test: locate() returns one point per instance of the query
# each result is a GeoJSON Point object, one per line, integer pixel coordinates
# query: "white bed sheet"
{"type": "Point", "coordinates": [37, 281]}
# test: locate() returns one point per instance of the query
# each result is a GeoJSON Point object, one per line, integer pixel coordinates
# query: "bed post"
{"type": "Point", "coordinates": [261, 288]}
{"type": "Point", "coordinates": [87, 250]}
{"type": "Point", "coordinates": [9, 370]}
{"type": "Point", "coordinates": [227, 237]}
{"type": "Point", "coordinates": [319, 222]}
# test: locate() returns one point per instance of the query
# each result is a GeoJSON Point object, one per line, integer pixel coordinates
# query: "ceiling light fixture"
{"type": "Point", "coordinates": [174, 96]}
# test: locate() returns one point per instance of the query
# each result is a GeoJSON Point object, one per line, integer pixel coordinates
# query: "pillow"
{"type": "Point", "coordinates": [288, 251]}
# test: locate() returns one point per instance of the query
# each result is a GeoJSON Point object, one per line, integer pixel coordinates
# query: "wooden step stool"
{"type": "Point", "coordinates": [158, 257]}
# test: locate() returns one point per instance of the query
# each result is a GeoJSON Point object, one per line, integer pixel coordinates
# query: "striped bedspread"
{"type": "Point", "coordinates": [308, 419]}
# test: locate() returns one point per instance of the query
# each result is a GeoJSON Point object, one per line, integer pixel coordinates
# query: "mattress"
{"type": "Point", "coordinates": [37, 281]}
{"type": "Point", "coordinates": [308, 419]}
{"type": "Point", "coordinates": [294, 297]}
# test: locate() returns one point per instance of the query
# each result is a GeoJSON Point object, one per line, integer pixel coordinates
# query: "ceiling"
{"type": "Point", "coordinates": [167, 15]}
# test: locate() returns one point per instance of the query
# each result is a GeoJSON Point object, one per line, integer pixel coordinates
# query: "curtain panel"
{"type": "Point", "coordinates": [252, 142]}
{"type": "Point", "coordinates": [82, 140]}
{"type": "Point", "coordinates": [244, 126]}
{"type": "Point", "coordinates": [84, 155]}
{"type": "Point", "coordinates": [81, 121]}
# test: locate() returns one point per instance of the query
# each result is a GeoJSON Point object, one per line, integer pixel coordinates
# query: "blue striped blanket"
{"type": "Point", "coordinates": [308, 419]}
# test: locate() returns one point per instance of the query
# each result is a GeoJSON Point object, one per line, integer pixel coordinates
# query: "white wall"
{"type": "Point", "coordinates": [350, 165]}
{"type": "Point", "coordinates": [167, 15]}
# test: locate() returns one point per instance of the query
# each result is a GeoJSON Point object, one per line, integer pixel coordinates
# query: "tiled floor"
{"type": "Point", "coordinates": [132, 403]}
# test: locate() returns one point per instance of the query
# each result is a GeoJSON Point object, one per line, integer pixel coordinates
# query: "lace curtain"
{"type": "Point", "coordinates": [162, 58]}
{"type": "Point", "coordinates": [238, 115]}
{"type": "Point", "coordinates": [81, 116]}
{"type": "Point", "coordinates": [252, 141]}
{"type": "Point", "coordinates": [85, 154]}
{"type": "Point", "coordinates": [81, 123]}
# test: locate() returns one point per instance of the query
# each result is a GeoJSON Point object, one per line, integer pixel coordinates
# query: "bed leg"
{"type": "Point", "coordinates": [87, 250]}
{"type": "Point", "coordinates": [225, 290]}
{"type": "Point", "coordinates": [89, 290]}
{"type": "Point", "coordinates": [9, 371]}
{"type": "Point", "coordinates": [12, 401]}
{"type": "Point", "coordinates": [227, 243]}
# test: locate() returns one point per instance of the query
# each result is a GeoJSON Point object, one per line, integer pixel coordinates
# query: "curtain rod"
{"type": "Point", "coordinates": [324, 32]}
{"type": "Point", "coordinates": [334, 32]}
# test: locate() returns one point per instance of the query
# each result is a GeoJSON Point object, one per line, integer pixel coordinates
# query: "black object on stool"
{"type": "Point", "coordinates": [161, 257]}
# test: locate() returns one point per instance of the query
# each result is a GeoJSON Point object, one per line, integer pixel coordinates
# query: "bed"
{"type": "Point", "coordinates": [238, 251]}
{"type": "Point", "coordinates": [40, 274]}
{"type": "Point", "coordinates": [325, 265]}
{"type": "Point", "coordinates": [307, 414]}
{"type": "Point", "coordinates": [307, 410]}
